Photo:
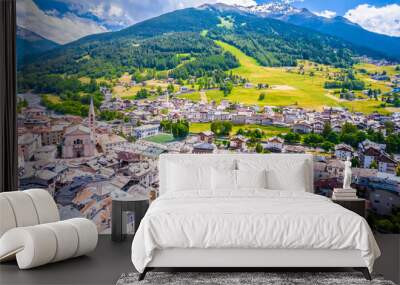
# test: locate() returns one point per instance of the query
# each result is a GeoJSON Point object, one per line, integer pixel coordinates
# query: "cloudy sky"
{"type": "Point", "coordinates": [66, 20]}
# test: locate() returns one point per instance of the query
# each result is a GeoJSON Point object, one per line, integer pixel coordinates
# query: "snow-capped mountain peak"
{"type": "Point", "coordinates": [272, 8]}
{"type": "Point", "coordinates": [276, 7]}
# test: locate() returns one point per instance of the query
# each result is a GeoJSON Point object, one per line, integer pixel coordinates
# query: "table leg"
{"type": "Point", "coordinates": [116, 222]}
{"type": "Point", "coordinates": [140, 211]}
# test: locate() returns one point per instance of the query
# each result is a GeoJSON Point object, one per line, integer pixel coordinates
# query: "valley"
{"type": "Point", "coordinates": [295, 89]}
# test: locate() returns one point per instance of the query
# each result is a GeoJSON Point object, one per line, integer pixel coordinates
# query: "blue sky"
{"type": "Point", "coordinates": [338, 6]}
{"type": "Point", "coordinates": [66, 20]}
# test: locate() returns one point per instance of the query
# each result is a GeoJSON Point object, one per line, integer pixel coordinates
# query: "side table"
{"type": "Point", "coordinates": [357, 205]}
{"type": "Point", "coordinates": [137, 205]}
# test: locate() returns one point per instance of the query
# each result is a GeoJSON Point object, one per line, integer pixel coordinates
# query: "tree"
{"type": "Point", "coordinates": [142, 94]}
{"type": "Point", "coordinates": [159, 90]}
{"type": "Point", "coordinates": [221, 128]}
{"type": "Point", "coordinates": [109, 115]}
{"type": "Point", "coordinates": [393, 143]}
{"type": "Point", "coordinates": [327, 146]}
{"type": "Point", "coordinates": [355, 162]}
{"type": "Point", "coordinates": [327, 130]}
{"type": "Point", "coordinates": [313, 140]}
{"type": "Point", "coordinates": [259, 148]}
{"type": "Point", "coordinates": [92, 86]}
{"type": "Point", "coordinates": [180, 129]}
{"type": "Point", "coordinates": [389, 126]}
{"type": "Point", "coordinates": [166, 125]}
{"type": "Point", "coordinates": [333, 138]}
{"type": "Point", "coordinates": [348, 128]}
{"type": "Point", "coordinates": [171, 88]}
{"type": "Point", "coordinates": [291, 137]}
{"type": "Point", "coordinates": [373, 165]}
{"type": "Point", "coordinates": [240, 132]}
{"type": "Point", "coordinates": [226, 88]}
{"type": "Point", "coordinates": [398, 170]}
{"type": "Point", "coordinates": [261, 97]}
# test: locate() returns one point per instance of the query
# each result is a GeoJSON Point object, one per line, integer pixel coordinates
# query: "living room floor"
{"type": "Point", "coordinates": [111, 259]}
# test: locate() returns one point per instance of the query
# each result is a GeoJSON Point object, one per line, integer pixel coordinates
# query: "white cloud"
{"type": "Point", "coordinates": [128, 12]}
{"type": "Point", "coordinates": [115, 11]}
{"type": "Point", "coordinates": [326, 13]}
{"type": "Point", "coordinates": [383, 20]}
{"type": "Point", "coordinates": [60, 29]}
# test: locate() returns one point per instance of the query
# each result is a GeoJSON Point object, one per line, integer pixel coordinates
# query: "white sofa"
{"type": "Point", "coordinates": [31, 231]}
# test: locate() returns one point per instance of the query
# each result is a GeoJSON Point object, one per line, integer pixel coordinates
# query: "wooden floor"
{"type": "Point", "coordinates": [110, 260]}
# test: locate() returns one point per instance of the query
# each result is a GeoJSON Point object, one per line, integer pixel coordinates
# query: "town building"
{"type": "Point", "coordinates": [274, 144]}
{"type": "Point", "coordinates": [302, 127]}
{"type": "Point", "coordinates": [343, 151]}
{"type": "Point", "coordinates": [146, 131]}
{"type": "Point", "coordinates": [370, 152]}
{"type": "Point", "coordinates": [28, 143]}
{"type": "Point", "coordinates": [207, 136]}
{"type": "Point", "coordinates": [203, 148]}
{"type": "Point", "coordinates": [110, 141]}
{"type": "Point", "coordinates": [78, 142]}
{"type": "Point", "coordinates": [238, 143]}
{"type": "Point", "coordinates": [46, 153]}
{"type": "Point", "coordinates": [33, 112]}
{"type": "Point", "coordinates": [53, 135]}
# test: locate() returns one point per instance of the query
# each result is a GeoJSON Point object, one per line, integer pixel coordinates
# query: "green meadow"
{"type": "Point", "coordinates": [287, 86]}
{"type": "Point", "coordinates": [161, 138]}
{"type": "Point", "coordinates": [269, 131]}
{"type": "Point", "coordinates": [290, 88]}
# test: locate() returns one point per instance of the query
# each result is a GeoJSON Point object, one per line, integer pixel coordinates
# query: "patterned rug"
{"type": "Point", "coordinates": [244, 278]}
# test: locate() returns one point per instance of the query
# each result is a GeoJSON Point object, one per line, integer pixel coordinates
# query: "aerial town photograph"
{"type": "Point", "coordinates": [96, 110]}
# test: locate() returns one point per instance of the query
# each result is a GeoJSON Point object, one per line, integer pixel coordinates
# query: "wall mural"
{"type": "Point", "coordinates": [105, 87]}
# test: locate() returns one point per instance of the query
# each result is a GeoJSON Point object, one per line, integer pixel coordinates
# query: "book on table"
{"type": "Point", "coordinates": [344, 194]}
{"type": "Point", "coordinates": [341, 190]}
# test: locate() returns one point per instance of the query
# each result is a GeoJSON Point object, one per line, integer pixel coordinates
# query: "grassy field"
{"type": "Point", "coordinates": [129, 92]}
{"type": "Point", "coordinates": [53, 98]}
{"type": "Point", "coordinates": [384, 86]}
{"type": "Point", "coordinates": [305, 90]}
{"type": "Point", "coordinates": [161, 138]}
{"type": "Point", "coordinates": [126, 92]}
{"type": "Point", "coordinates": [269, 131]}
{"type": "Point", "coordinates": [288, 86]}
{"type": "Point", "coordinates": [194, 96]}
{"type": "Point", "coordinates": [390, 69]}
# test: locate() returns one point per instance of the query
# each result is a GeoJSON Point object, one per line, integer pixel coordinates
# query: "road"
{"type": "Point", "coordinates": [203, 97]}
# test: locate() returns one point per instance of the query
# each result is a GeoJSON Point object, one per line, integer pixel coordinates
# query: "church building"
{"type": "Point", "coordinates": [79, 140]}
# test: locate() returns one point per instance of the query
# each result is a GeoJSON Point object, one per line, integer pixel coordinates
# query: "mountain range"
{"type": "Point", "coordinates": [337, 26]}
{"type": "Point", "coordinates": [275, 35]}
{"type": "Point", "coordinates": [30, 43]}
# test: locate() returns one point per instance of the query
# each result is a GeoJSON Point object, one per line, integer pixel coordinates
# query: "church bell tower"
{"type": "Point", "coordinates": [92, 118]}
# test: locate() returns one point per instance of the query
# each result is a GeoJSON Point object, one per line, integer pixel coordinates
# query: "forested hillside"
{"type": "Point", "coordinates": [181, 44]}
{"type": "Point", "coordinates": [112, 58]}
